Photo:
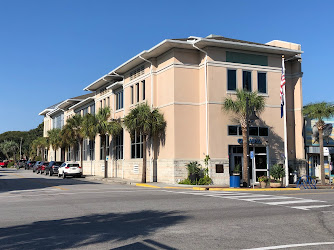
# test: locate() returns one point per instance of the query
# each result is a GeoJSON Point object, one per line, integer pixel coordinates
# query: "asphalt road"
{"type": "Point", "coordinates": [43, 212]}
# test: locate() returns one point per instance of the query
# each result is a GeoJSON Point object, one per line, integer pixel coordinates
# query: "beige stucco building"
{"type": "Point", "coordinates": [187, 80]}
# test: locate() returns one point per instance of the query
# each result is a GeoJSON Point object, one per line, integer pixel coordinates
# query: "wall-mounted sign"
{"type": "Point", "coordinates": [251, 141]}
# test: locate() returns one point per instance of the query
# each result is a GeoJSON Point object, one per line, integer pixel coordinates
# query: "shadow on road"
{"type": "Point", "coordinates": [14, 180]}
{"type": "Point", "coordinates": [87, 230]}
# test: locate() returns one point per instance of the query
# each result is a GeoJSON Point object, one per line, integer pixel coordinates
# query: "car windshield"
{"type": "Point", "coordinates": [58, 163]}
{"type": "Point", "coordinates": [73, 165]}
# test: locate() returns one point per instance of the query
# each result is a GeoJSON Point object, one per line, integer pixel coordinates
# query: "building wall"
{"type": "Point", "coordinates": [179, 92]}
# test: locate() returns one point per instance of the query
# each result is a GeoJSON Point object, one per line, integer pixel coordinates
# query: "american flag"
{"type": "Point", "coordinates": [282, 87]}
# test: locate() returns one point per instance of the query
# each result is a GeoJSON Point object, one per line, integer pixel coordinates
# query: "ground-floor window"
{"type": "Point", "coordinates": [136, 145]}
{"type": "Point", "coordinates": [69, 153]}
{"type": "Point", "coordinates": [92, 150]}
{"type": "Point", "coordinates": [102, 156]}
{"type": "Point", "coordinates": [84, 149]}
{"type": "Point", "coordinates": [119, 146]}
{"type": "Point", "coordinates": [77, 152]}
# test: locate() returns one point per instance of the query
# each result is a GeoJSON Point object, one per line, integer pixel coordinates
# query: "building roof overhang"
{"type": "Point", "coordinates": [201, 43]}
{"type": "Point", "coordinates": [83, 102]}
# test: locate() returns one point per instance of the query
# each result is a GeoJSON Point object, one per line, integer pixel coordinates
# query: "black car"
{"type": "Point", "coordinates": [52, 168]}
{"type": "Point", "coordinates": [29, 165]}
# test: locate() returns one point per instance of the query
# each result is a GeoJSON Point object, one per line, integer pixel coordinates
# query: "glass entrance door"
{"type": "Point", "coordinates": [259, 163]}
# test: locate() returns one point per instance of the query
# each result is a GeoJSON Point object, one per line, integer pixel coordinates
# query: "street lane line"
{"type": "Point", "coordinates": [268, 198]}
{"type": "Point", "coordinates": [291, 202]}
{"type": "Point", "coordinates": [309, 207]}
{"type": "Point", "coordinates": [291, 245]}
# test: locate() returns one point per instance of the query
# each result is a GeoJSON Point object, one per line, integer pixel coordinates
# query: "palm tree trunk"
{"type": "Point", "coordinates": [322, 165]}
{"type": "Point", "coordinates": [81, 153]}
{"type": "Point", "coordinates": [143, 177]}
{"type": "Point", "coordinates": [245, 157]}
{"type": "Point", "coordinates": [105, 156]}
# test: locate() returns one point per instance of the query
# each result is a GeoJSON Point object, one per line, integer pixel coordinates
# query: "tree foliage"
{"type": "Point", "coordinates": [26, 136]}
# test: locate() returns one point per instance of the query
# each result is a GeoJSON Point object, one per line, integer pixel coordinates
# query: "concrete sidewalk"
{"type": "Point", "coordinates": [181, 186]}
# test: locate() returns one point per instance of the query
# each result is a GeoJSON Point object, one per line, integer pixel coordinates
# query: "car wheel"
{"type": "Point", "coordinates": [50, 173]}
{"type": "Point", "coordinates": [46, 173]}
{"type": "Point", "coordinates": [64, 176]}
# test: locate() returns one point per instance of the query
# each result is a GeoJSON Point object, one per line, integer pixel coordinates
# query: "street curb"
{"type": "Point", "coordinates": [146, 185]}
{"type": "Point", "coordinates": [253, 190]}
{"type": "Point", "coordinates": [220, 189]}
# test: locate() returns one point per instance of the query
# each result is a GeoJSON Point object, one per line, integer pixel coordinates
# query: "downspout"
{"type": "Point", "coordinates": [151, 143]}
{"type": "Point", "coordinates": [206, 95]}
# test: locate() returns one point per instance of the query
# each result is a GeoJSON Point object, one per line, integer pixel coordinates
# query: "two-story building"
{"type": "Point", "coordinates": [187, 80]}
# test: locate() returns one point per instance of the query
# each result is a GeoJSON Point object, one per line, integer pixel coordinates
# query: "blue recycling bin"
{"type": "Point", "coordinates": [235, 181]}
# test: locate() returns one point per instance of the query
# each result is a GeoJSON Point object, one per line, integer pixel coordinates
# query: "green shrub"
{"type": "Point", "coordinates": [38, 158]}
{"type": "Point", "coordinates": [277, 172]}
{"type": "Point", "coordinates": [206, 180]}
{"type": "Point", "coordinates": [187, 182]}
{"type": "Point", "coordinates": [10, 164]}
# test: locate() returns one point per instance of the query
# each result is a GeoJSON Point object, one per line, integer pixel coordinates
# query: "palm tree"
{"type": "Point", "coordinates": [148, 123]}
{"type": "Point", "coordinates": [9, 147]}
{"type": "Point", "coordinates": [320, 111]}
{"type": "Point", "coordinates": [55, 139]}
{"type": "Point", "coordinates": [39, 144]}
{"type": "Point", "coordinates": [100, 124]}
{"type": "Point", "coordinates": [73, 130]}
{"type": "Point", "coordinates": [238, 106]}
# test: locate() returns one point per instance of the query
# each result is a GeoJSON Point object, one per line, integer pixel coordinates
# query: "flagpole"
{"type": "Point", "coordinates": [285, 136]}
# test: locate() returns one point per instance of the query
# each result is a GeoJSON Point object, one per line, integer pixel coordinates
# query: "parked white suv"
{"type": "Point", "coordinates": [70, 168]}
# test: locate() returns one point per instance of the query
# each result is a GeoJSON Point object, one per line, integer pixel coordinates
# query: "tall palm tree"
{"type": "Point", "coordinates": [148, 123]}
{"type": "Point", "coordinates": [103, 127]}
{"type": "Point", "coordinates": [73, 130]}
{"type": "Point", "coordinates": [320, 111]}
{"type": "Point", "coordinates": [55, 139]}
{"type": "Point", "coordinates": [238, 106]}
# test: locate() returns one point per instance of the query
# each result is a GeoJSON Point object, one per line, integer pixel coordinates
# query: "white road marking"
{"type": "Point", "coordinates": [292, 245]}
{"type": "Point", "coordinates": [309, 207]}
{"type": "Point", "coordinates": [257, 198]}
{"type": "Point", "coordinates": [291, 202]}
{"type": "Point", "coordinates": [268, 198]}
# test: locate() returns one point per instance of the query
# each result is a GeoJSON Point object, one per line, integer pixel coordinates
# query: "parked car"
{"type": "Point", "coordinates": [21, 163]}
{"type": "Point", "coordinates": [29, 165]}
{"type": "Point", "coordinates": [52, 168]}
{"type": "Point", "coordinates": [70, 168]}
{"type": "Point", "coordinates": [4, 163]}
{"type": "Point", "coordinates": [42, 167]}
{"type": "Point", "coordinates": [36, 165]}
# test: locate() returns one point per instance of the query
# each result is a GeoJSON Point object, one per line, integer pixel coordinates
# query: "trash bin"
{"type": "Point", "coordinates": [235, 181]}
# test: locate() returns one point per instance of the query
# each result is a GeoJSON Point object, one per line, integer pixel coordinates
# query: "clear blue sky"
{"type": "Point", "coordinates": [51, 50]}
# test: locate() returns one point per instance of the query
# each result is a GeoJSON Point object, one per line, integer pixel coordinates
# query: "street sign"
{"type": "Point", "coordinates": [251, 154]}
{"type": "Point", "coordinates": [107, 158]}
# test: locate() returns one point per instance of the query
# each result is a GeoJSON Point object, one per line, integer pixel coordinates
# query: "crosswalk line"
{"type": "Point", "coordinates": [292, 202]}
{"type": "Point", "coordinates": [268, 198]}
{"type": "Point", "coordinates": [310, 207]}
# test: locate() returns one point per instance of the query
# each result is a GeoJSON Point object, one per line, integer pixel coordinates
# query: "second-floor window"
{"type": "Point", "coordinates": [231, 79]}
{"type": "Point", "coordinates": [262, 82]}
{"type": "Point", "coordinates": [247, 80]}
{"type": "Point", "coordinates": [119, 99]}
